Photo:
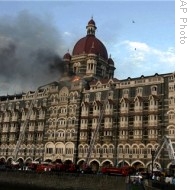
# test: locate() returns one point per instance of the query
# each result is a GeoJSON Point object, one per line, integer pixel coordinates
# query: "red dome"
{"type": "Point", "coordinates": [67, 56]}
{"type": "Point", "coordinates": [85, 45]}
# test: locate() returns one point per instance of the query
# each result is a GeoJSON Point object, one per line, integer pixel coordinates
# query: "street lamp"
{"type": "Point", "coordinates": [152, 154]}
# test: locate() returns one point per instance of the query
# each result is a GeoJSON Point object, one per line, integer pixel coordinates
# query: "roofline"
{"type": "Point", "coordinates": [142, 76]}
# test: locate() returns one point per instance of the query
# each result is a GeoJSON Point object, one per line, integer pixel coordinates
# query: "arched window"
{"type": "Point", "coordinates": [105, 149]}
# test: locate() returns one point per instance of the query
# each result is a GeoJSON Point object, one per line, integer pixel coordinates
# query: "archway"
{"type": "Point", "coordinates": [81, 164]}
{"type": "Point", "coordinates": [156, 167]}
{"type": "Point", "coordinates": [58, 161]}
{"type": "Point", "coordinates": [21, 162]}
{"type": "Point", "coordinates": [172, 169]}
{"type": "Point", "coordinates": [48, 160]}
{"type": "Point", "coordinates": [107, 164]}
{"type": "Point", "coordinates": [2, 161]}
{"type": "Point", "coordinates": [122, 164]}
{"type": "Point", "coordinates": [28, 161]}
{"type": "Point", "coordinates": [139, 166]}
{"type": "Point", "coordinates": [9, 162]}
{"type": "Point", "coordinates": [95, 166]}
{"type": "Point", "coordinates": [68, 162]}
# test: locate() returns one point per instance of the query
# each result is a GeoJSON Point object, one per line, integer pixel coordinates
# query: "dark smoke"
{"type": "Point", "coordinates": [29, 47]}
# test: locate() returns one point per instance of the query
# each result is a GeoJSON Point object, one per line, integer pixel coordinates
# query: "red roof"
{"type": "Point", "coordinates": [90, 44]}
{"type": "Point", "coordinates": [67, 56]}
{"type": "Point", "coordinates": [110, 61]}
{"type": "Point", "coordinates": [91, 22]}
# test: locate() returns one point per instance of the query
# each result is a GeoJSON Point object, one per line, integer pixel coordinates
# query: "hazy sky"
{"type": "Point", "coordinates": [34, 36]}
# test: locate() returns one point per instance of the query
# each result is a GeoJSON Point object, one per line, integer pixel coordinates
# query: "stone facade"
{"type": "Point", "coordinates": [137, 113]}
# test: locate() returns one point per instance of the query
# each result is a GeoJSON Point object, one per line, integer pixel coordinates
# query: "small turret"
{"type": "Point", "coordinates": [91, 27]}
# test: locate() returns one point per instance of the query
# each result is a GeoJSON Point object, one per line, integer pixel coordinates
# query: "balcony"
{"type": "Point", "coordinates": [4, 140]}
{"type": "Point", "coordinates": [62, 126]}
{"type": "Point", "coordinates": [108, 125]}
{"type": "Point", "coordinates": [7, 119]}
{"type": "Point", "coordinates": [94, 125]}
{"type": "Point", "coordinates": [153, 123]}
{"type": "Point", "coordinates": [39, 139]}
{"type": "Point", "coordinates": [5, 130]}
{"type": "Point", "coordinates": [44, 104]}
{"type": "Point", "coordinates": [40, 128]}
{"type": "Point", "coordinates": [60, 138]}
{"type": "Point", "coordinates": [72, 113]}
{"type": "Point", "coordinates": [23, 117]}
{"type": "Point", "coordinates": [52, 126]}
{"type": "Point", "coordinates": [21, 153]}
{"type": "Point", "coordinates": [12, 139]}
{"type": "Point", "coordinates": [105, 155]}
{"type": "Point", "coordinates": [83, 138]}
{"type": "Point", "coordinates": [152, 137]}
{"type": "Point", "coordinates": [84, 126]}
{"type": "Point", "coordinates": [123, 137]}
{"type": "Point", "coordinates": [123, 125]}
{"type": "Point", "coordinates": [110, 155]}
{"type": "Point", "coordinates": [13, 129]}
{"type": "Point", "coordinates": [30, 138]}
{"type": "Point", "coordinates": [74, 101]}
{"type": "Point", "coordinates": [9, 153]}
{"type": "Point", "coordinates": [42, 116]}
{"type": "Point", "coordinates": [21, 128]}
{"type": "Point", "coordinates": [153, 108]}
{"type": "Point", "coordinates": [138, 109]}
{"type": "Point", "coordinates": [124, 110]}
{"type": "Point", "coordinates": [54, 103]}
{"type": "Point", "coordinates": [71, 138]}
{"type": "Point", "coordinates": [138, 124]}
{"type": "Point", "coordinates": [15, 118]}
{"type": "Point", "coordinates": [135, 156]}
{"type": "Point", "coordinates": [107, 139]}
{"type": "Point", "coordinates": [51, 138]}
{"type": "Point", "coordinates": [137, 137]}
{"type": "Point", "coordinates": [108, 112]}
{"type": "Point", "coordinates": [84, 113]}
{"type": "Point", "coordinates": [33, 117]}
{"type": "Point", "coordinates": [31, 129]}
{"type": "Point", "coordinates": [96, 113]}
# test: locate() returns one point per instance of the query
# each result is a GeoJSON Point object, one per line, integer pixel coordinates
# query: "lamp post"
{"type": "Point", "coordinates": [152, 154]}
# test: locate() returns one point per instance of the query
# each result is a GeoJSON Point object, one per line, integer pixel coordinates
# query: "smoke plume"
{"type": "Point", "coordinates": [29, 47]}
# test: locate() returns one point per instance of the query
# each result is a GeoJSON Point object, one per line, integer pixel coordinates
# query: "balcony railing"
{"type": "Point", "coordinates": [14, 118]}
